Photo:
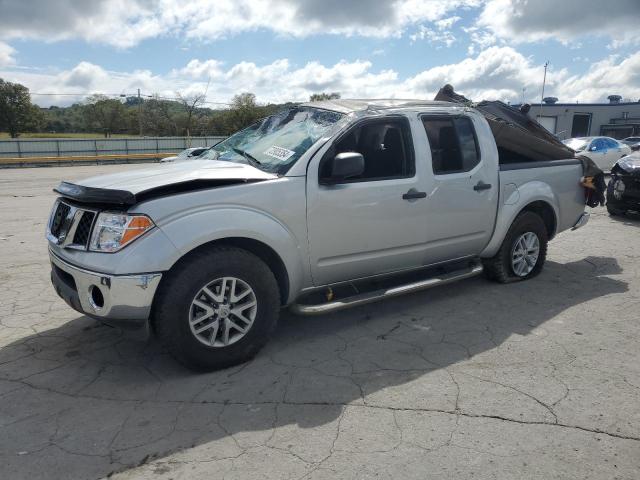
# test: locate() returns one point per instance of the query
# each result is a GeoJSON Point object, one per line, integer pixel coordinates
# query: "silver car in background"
{"type": "Point", "coordinates": [187, 154]}
{"type": "Point", "coordinates": [604, 151]}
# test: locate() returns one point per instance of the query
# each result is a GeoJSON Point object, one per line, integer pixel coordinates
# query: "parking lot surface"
{"type": "Point", "coordinates": [539, 379]}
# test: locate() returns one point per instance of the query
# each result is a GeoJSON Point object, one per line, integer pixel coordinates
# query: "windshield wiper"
{"type": "Point", "coordinates": [252, 160]}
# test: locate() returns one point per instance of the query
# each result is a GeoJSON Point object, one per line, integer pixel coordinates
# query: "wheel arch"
{"type": "Point", "coordinates": [256, 247]}
{"type": "Point", "coordinates": [542, 203]}
{"type": "Point", "coordinates": [545, 211]}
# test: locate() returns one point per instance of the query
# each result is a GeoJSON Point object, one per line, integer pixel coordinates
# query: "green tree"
{"type": "Point", "coordinates": [317, 97]}
{"type": "Point", "coordinates": [190, 104]}
{"type": "Point", "coordinates": [243, 112]}
{"type": "Point", "coordinates": [105, 114]}
{"type": "Point", "coordinates": [159, 117]}
{"type": "Point", "coordinates": [17, 113]}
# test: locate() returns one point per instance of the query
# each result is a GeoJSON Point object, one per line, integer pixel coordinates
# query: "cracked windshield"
{"type": "Point", "coordinates": [275, 143]}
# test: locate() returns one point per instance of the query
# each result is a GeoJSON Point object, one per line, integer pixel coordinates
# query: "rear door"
{"type": "Point", "coordinates": [463, 195]}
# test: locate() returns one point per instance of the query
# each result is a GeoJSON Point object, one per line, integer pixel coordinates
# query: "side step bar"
{"type": "Point", "coordinates": [375, 295]}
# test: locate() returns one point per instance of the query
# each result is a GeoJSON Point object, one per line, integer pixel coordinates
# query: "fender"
{"type": "Point", "coordinates": [206, 225]}
{"type": "Point", "coordinates": [514, 202]}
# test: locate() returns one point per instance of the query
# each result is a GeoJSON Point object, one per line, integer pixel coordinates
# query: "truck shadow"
{"type": "Point", "coordinates": [82, 401]}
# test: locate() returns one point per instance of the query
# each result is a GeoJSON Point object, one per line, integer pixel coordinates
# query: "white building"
{"type": "Point", "coordinates": [615, 119]}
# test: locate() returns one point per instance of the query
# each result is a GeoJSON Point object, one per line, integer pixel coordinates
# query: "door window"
{"type": "Point", "coordinates": [453, 142]}
{"type": "Point", "coordinates": [610, 143]}
{"type": "Point", "coordinates": [598, 145]}
{"type": "Point", "coordinates": [386, 146]}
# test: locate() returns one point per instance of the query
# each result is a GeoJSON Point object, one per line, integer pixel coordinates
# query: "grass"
{"type": "Point", "coordinates": [5, 135]}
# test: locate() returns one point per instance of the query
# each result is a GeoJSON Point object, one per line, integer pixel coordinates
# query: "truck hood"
{"type": "Point", "coordinates": [131, 187]}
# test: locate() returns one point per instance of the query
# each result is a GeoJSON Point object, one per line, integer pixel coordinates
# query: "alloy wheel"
{"type": "Point", "coordinates": [524, 254]}
{"type": "Point", "coordinates": [223, 312]}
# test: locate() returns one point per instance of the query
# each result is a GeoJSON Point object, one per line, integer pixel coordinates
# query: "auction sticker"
{"type": "Point", "coordinates": [279, 153]}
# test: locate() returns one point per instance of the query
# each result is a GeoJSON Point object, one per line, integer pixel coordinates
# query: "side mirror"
{"type": "Point", "coordinates": [345, 165]}
{"type": "Point", "coordinates": [593, 149]}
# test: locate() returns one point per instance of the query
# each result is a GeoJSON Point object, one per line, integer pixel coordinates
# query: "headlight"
{"type": "Point", "coordinates": [112, 231]}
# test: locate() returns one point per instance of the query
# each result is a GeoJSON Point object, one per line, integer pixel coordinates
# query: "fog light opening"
{"type": "Point", "coordinates": [95, 297]}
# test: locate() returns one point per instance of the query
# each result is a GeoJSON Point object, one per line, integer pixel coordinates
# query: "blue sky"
{"type": "Point", "coordinates": [288, 49]}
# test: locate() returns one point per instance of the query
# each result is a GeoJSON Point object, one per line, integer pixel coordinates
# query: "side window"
{"type": "Point", "coordinates": [611, 143]}
{"type": "Point", "coordinates": [386, 146]}
{"type": "Point", "coordinates": [454, 147]}
{"type": "Point", "coordinates": [597, 145]}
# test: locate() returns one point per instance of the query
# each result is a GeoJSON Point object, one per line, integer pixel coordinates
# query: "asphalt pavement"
{"type": "Point", "coordinates": [532, 380]}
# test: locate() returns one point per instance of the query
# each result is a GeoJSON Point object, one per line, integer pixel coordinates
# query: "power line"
{"type": "Point", "coordinates": [122, 95]}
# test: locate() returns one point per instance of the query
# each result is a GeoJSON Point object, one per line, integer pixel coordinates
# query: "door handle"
{"type": "Point", "coordinates": [481, 186]}
{"type": "Point", "coordinates": [413, 194]}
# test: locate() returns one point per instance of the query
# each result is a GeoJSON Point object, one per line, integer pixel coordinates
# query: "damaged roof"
{"type": "Point", "coordinates": [359, 105]}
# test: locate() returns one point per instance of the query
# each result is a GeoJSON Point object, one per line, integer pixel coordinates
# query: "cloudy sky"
{"type": "Point", "coordinates": [287, 49]}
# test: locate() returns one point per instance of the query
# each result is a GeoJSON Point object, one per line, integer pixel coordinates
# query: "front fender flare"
{"type": "Point", "coordinates": [208, 225]}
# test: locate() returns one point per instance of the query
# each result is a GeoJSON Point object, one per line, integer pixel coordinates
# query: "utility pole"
{"type": "Point", "coordinates": [139, 112]}
{"type": "Point", "coordinates": [544, 80]}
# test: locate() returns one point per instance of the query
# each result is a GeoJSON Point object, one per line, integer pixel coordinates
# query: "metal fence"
{"type": "Point", "coordinates": [68, 147]}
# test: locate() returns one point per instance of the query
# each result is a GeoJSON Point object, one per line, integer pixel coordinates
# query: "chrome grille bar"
{"type": "Point", "coordinates": [63, 224]}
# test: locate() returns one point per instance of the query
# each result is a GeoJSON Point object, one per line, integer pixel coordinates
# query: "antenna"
{"type": "Point", "coordinates": [544, 80]}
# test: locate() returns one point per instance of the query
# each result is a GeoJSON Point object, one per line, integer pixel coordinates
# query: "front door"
{"type": "Point", "coordinates": [374, 223]}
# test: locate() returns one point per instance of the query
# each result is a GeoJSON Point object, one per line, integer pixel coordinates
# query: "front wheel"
{"type": "Point", "coordinates": [523, 251]}
{"type": "Point", "coordinates": [217, 308]}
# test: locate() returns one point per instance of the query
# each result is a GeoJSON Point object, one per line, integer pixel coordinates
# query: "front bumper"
{"type": "Point", "coordinates": [120, 300]}
{"type": "Point", "coordinates": [627, 198]}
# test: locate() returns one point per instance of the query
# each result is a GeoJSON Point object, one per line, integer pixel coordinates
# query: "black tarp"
{"type": "Point", "coordinates": [519, 138]}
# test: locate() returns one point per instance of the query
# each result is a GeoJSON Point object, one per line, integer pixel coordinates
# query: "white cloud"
{"type": "Point", "coordinates": [124, 23]}
{"type": "Point", "coordinates": [567, 20]}
{"type": "Point", "coordinates": [436, 37]}
{"type": "Point", "coordinates": [200, 69]}
{"type": "Point", "coordinates": [447, 23]}
{"type": "Point", "coordinates": [498, 72]}
{"type": "Point", "coordinates": [440, 35]}
{"type": "Point", "coordinates": [606, 77]}
{"type": "Point", "coordinates": [6, 55]}
{"type": "Point", "coordinates": [84, 76]}
{"type": "Point", "coordinates": [479, 39]}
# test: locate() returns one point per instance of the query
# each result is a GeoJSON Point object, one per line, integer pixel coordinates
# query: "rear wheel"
{"type": "Point", "coordinates": [614, 212]}
{"type": "Point", "coordinates": [217, 308]}
{"type": "Point", "coordinates": [523, 251]}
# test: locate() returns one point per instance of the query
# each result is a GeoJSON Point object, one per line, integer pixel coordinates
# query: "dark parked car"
{"type": "Point", "coordinates": [623, 191]}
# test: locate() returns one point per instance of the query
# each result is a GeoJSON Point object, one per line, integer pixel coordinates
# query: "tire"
{"type": "Point", "coordinates": [175, 310]}
{"type": "Point", "coordinates": [614, 212]}
{"type": "Point", "coordinates": [500, 268]}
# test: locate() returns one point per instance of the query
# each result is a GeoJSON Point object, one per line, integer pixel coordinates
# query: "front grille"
{"type": "Point", "coordinates": [58, 218]}
{"type": "Point", "coordinates": [84, 229]}
{"type": "Point", "coordinates": [70, 226]}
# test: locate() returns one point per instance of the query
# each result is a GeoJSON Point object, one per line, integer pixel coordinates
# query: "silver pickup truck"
{"type": "Point", "coordinates": [317, 208]}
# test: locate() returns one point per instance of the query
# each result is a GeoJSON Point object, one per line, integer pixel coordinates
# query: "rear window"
{"type": "Point", "coordinates": [453, 143]}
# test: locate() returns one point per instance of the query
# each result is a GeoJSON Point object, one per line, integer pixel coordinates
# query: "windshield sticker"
{"type": "Point", "coordinates": [279, 153]}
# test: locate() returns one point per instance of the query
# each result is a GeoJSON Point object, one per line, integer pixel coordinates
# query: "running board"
{"type": "Point", "coordinates": [375, 295]}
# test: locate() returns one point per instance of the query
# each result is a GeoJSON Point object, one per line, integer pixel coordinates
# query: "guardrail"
{"type": "Point", "coordinates": [7, 162]}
